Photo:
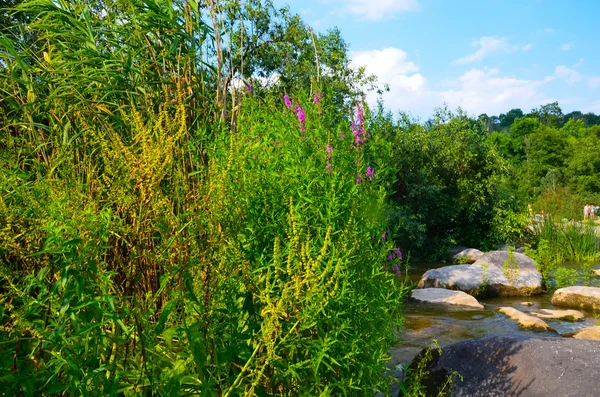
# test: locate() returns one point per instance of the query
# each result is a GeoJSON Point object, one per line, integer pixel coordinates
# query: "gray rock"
{"type": "Point", "coordinates": [467, 255]}
{"type": "Point", "coordinates": [488, 276]}
{"type": "Point", "coordinates": [506, 247]}
{"type": "Point", "coordinates": [587, 298]}
{"type": "Point", "coordinates": [515, 366]}
{"type": "Point", "coordinates": [446, 297]}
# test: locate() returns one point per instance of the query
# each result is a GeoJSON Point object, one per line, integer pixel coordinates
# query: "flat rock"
{"type": "Point", "coordinates": [590, 333]}
{"type": "Point", "coordinates": [488, 276]}
{"type": "Point", "coordinates": [524, 320]}
{"type": "Point", "coordinates": [515, 366]}
{"type": "Point", "coordinates": [467, 255]}
{"type": "Point", "coordinates": [445, 296]}
{"type": "Point", "coordinates": [563, 315]}
{"type": "Point", "coordinates": [596, 272]}
{"type": "Point", "coordinates": [526, 304]}
{"type": "Point", "coordinates": [586, 298]}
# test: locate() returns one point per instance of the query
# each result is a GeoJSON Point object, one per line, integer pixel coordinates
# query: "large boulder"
{"type": "Point", "coordinates": [465, 255]}
{"type": "Point", "coordinates": [587, 298]}
{"type": "Point", "coordinates": [494, 274]}
{"type": "Point", "coordinates": [446, 297]}
{"type": "Point", "coordinates": [514, 366]}
{"type": "Point", "coordinates": [524, 320]}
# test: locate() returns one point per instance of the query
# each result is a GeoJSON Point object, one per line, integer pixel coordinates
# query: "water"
{"type": "Point", "coordinates": [425, 322]}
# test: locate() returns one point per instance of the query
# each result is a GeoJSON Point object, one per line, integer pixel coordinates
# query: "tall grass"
{"type": "Point", "coordinates": [557, 243]}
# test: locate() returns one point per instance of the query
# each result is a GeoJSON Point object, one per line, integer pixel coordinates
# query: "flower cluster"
{"type": "Point", "coordinates": [301, 118]}
{"type": "Point", "coordinates": [287, 101]}
{"type": "Point", "coordinates": [316, 98]}
{"type": "Point", "coordinates": [370, 173]}
{"type": "Point", "coordinates": [394, 258]}
{"type": "Point", "coordinates": [358, 127]}
{"type": "Point", "coordinates": [328, 157]}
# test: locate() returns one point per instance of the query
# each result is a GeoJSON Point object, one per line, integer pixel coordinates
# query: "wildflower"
{"type": "Point", "coordinates": [303, 139]}
{"type": "Point", "coordinates": [358, 181]}
{"type": "Point", "coordinates": [358, 126]}
{"type": "Point", "coordinates": [316, 98]}
{"type": "Point", "coordinates": [301, 118]}
{"type": "Point", "coordinates": [390, 257]}
{"type": "Point", "coordinates": [384, 237]}
{"type": "Point", "coordinates": [397, 270]}
{"type": "Point", "coordinates": [329, 148]}
{"type": "Point", "coordinates": [370, 173]}
{"type": "Point", "coordinates": [248, 87]}
{"type": "Point", "coordinates": [328, 168]}
{"type": "Point", "coordinates": [398, 253]}
{"type": "Point", "coordinates": [287, 101]}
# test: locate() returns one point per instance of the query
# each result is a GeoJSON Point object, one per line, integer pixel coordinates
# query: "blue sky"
{"type": "Point", "coordinates": [486, 56]}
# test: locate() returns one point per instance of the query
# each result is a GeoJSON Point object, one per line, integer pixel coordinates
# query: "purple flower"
{"type": "Point", "coordinates": [248, 87]}
{"type": "Point", "coordinates": [396, 270]}
{"type": "Point", "coordinates": [358, 181]}
{"type": "Point", "coordinates": [301, 118]}
{"type": "Point", "coordinates": [328, 168]}
{"type": "Point", "coordinates": [287, 101]}
{"type": "Point", "coordinates": [384, 237]}
{"type": "Point", "coordinates": [316, 98]}
{"type": "Point", "coordinates": [370, 173]}
{"type": "Point", "coordinates": [390, 257]}
{"type": "Point", "coordinates": [303, 139]}
{"type": "Point", "coordinates": [358, 126]}
{"type": "Point", "coordinates": [329, 148]}
{"type": "Point", "coordinates": [398, 253]}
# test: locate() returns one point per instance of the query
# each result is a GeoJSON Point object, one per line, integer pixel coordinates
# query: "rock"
{"type": "Point", "coordinates": [590, 333]}
{"type": "Point", "coordinates": [514, 366]}
{"type": "Point", "coordinates": [467, 255]}
{"type": "Point", "coordinates": [563, 315]}
{"type": "Point", "coordinates": [488, 276]}
{"type": "Point", "coordinates": [506, 247]}
{"type": "Point", "coordinates": [445, 296]}
{"type": "Point", "coordinates": [526, 304]}
{"type": "Point", "coordinates": [587, 298]}
{"type": "Point", "coordinates": [596, 272]}
{"type": "Point", "coordinates": [524, 320]}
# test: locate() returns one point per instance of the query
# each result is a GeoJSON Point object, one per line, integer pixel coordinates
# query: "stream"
{"type": "Point", "coordinates": [448, 324]}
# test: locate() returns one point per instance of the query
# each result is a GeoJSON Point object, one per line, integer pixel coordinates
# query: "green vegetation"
{"type": "Point", "coordinates": [195, 200]}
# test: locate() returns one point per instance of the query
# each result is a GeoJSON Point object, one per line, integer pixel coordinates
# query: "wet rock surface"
{"type": "Point", "coordinates": [563, 315]}
{"type": "Point", "coordinates": [446, 297]}
{"type": "Point", "coordinates": [524, 320]}
{"type": "Point", "coordinates": [515, 366]}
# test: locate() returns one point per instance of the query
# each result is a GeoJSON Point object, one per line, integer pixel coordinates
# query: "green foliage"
{"type": "Point", "coordinates": [510, 267]}
{"type": "Point", "coordinates": [555, 243]}
{"type": "Point", "coordinates": [564, 277]}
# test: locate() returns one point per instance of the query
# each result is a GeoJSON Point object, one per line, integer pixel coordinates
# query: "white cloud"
{"type": "Point", "coordinates": [579, 63]}
{"type": "Point", "coordinates": [594, 82]}
{"type": "Point", "coordinates": [566, 47]}
{"type": "Point", "coordinates": [489, 44]}
{"type": "Point", "coordinates": [486, 91]}
{"type": "Point", "coordinates": [476, 91]}
{"type": "Point", "coordinates": [379, 9]}
{"type": "Point", "coordinates": [571, 76]}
